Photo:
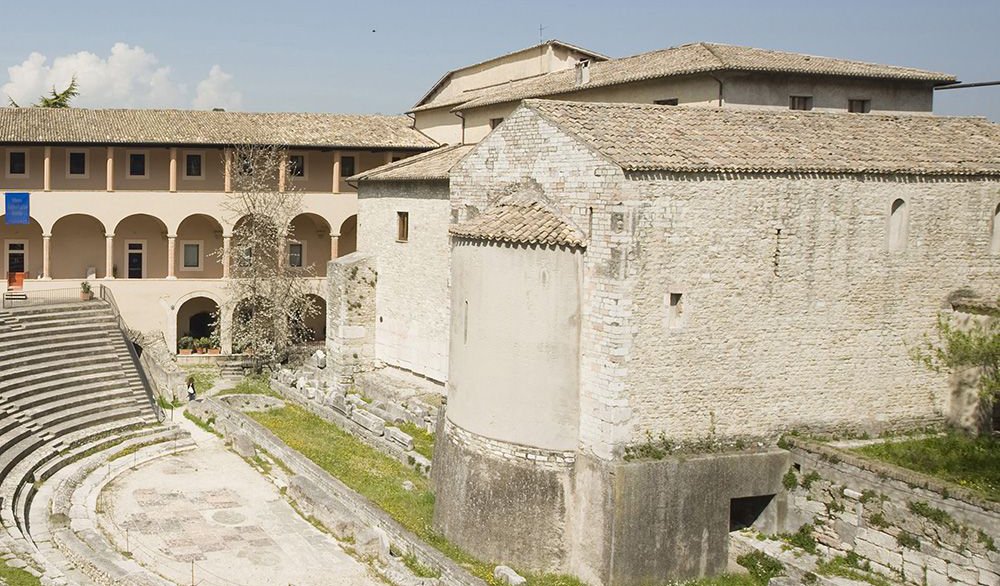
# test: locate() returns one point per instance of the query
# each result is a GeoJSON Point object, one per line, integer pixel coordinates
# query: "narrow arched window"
{"type": "Point", "coordinates": [995, 234]}
{"type": "Point", "coordinates": [898, 225]}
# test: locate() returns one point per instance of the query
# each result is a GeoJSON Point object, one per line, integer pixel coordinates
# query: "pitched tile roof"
{"type": "Point", "coordinates": [520, 222]}
{"type": "Point", "coordinates": [85, 126]}
{"type": "Point", "coordinates": [639, 137]}
{"type": "Point", "coordinates": [423, 167]}
{"type": "Point", "coordinates": [429, 100]}
{"type": "Point", "coordinates": [690, 59]}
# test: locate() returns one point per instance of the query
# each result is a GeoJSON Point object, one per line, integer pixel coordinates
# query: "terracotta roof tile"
{"type": "Point", "coordinates": [86, 126]}
{"type": "Point", "coordinates": [520, 222]}
{"type": "Point", "coordinates": [432, 165]}
{"type": "Point", "coordinates": [640, 137]}
{"type": "Point", "coordinates": [686, 60]}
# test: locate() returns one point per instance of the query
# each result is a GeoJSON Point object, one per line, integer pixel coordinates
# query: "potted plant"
{"type": "Point", "coordinates": [200, 345]}
{"type": "Point", "coordinates": [86, 292]}
{"type": "Point", "coordinates": [214, 344]}
{"type": "Point", "coordinates": [185, 345]}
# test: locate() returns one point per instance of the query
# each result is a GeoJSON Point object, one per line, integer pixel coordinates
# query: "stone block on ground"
{"type": "Point", "coordinates": [244, 446]}
{"type": "Point", "coordinates": [372, 542]}
{"type": "Point", "coordinates": [368, 421]}
{"type": "Point", "coordinates": [398, 436]}
{"type": "Point", "coordinates": [508, 576]}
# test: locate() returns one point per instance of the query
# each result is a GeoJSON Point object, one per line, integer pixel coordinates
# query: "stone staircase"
{"type": "Point", "coordinates": [69, 388]}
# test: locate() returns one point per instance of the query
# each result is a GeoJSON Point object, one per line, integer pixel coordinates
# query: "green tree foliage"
{"type": "Point", "coordinates": [55, 99]}
{"type": "Point", "coordinates": [963, 347]}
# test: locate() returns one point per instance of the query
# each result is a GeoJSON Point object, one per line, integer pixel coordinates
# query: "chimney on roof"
{"type": "Point", "coordinates": [218, 109]}
{"type": "Point", "coordinates": [583, 72]}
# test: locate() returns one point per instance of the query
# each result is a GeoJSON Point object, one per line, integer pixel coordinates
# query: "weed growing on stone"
{"type": "Point", "coordinates": [878, 520]}
{"type": "Point", "coordinates": [970, 462]}
{"type": "Point", "coordinates": [851, 566]}
{"type": "Point", "coordinates": [908, 540]}
{"type": "Point", "coordinates": [761, 566]}
{"type": "Point", "coordinates": [135, 448]}
{"type": "Point", "coordinates": [986, 540]}
{"type": "Point", "coordinates": [809, 479]}
{"type": "Point", "coordinates": [802, 539]}
{"type": "Point", "coordinates": [419, 570]}
{"type": "Point", "coordinates": [790, 480]}
{"type": "Point", "coordinates": [935, 515]}
{"type": "Point", "coordinates": [206, 425]}
{"type": "Point", "coordinates": [16, 576]}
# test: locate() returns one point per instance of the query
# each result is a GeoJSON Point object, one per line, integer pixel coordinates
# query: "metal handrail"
{"type": "Point", "coordinates": [108, 297]}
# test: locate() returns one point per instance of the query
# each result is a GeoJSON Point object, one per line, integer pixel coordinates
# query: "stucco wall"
{"type": "Point", "coordinates": [514, 368]}
{"type": "Point", "coordinates": [411, 299]}
{"type": "Point", "coordinates": [828, 93]}
{"type": "Point", "coordinates": [441, 124]}
{"type": "Point", "coordinates": [779, 328]}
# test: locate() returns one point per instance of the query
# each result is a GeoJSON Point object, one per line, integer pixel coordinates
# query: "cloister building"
{"type": "Point", "coordinates": [137, 200]}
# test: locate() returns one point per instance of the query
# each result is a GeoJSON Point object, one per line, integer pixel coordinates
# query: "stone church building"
{"type": "Point", "coordinates": [701, 277]}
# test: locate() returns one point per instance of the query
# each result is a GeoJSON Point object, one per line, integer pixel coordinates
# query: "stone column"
{"type": "Point", "coordinates": [227, 156]}
{"type": "Point", "coordinates": [45, 257]}
{"type": "Point", "coordinates": [171, 252]}
{"type": "Point", "coordinates": [109, 260]}
{"type": "Point", "coordinates": [47, 170]}
{"type": "Point", "coordinates": [173, 170]}
{"type": "Point", "coordinates": [336, 171]}
{"type": "Point", "coordinates": [225, 256]}
{"type": "Point", "coordinates": [111, 170]}
{"type": "Point", "coordinates": [334, 246]}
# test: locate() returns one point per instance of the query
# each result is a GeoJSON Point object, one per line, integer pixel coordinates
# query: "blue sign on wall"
{"type": "Point", "coordinates": [16, 208]}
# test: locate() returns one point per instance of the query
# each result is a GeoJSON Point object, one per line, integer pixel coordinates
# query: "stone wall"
{"type": "Point", "coordinates": [350, 314]}
{"type": "Point", "coordinates": [411, 299]}
{"type": "Point", "coordinates": [906, 524]}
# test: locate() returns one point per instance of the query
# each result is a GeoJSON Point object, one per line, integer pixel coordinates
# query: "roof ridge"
{"type": "Point", "coordinates": [405, 162]}
{"type": "Point", "coordinates": [708, 47]}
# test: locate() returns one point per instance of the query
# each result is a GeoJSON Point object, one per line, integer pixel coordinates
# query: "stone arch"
{"type": "Point", "coordinates": [78, 248]}
{"type": "Point", "coordinates": [199, 240]}
{"type": "Point", "coordinates": [147, 232]}
{"type": "Point", "coordinates": [196, 316]}
{"type": "Point", "coordinates": [348, 241]}
{"type": "Point", "coordinates": [310, 233]}
{"type": "Point", "coordinates": [14, 237]}
{"type": "Point", "coordinates": [899, 220]}
{"type": "Point", "coordinates": [313, 325]}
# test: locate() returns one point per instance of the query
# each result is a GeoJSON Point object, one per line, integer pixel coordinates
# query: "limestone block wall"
{"type": "Point", "coordinates": [906, 525]}
{"type": "Point", "coordinates": [411, 300]}
{"type": "Point", "coordinates": [528, 153]}
{"type": "Point", "coordinates": [350, 331]}
{"type": "Point", "coordinates": [758, 304]}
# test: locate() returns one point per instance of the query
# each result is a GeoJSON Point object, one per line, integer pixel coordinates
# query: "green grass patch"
{"type": "Point", "coordinates": [17, 577]}
{"type": "Point", "coordinates": [165, 404]}
{"type": "Point", "coordinates": [380, 479]}
{"type": "Point", "coordinates": [802, 539]}
{"type": "Point", "coordinates": [970, 462]}
{"type": "Point", "coordinates": [761, 568]}
{"type": "Point", "coordinates": [852, 567]}
{"type": "Point", "coordinates": [206, 425]}
{"type": "Point", "coordinates": [423, 442]}
{"type": "Point", "coordinates": [252, 385]}
{"type": "Point", "coordinates": [134, 448]}
{"type": "Point", "coordinates": [419, 570]}
{"type": "Point", "coordinates": [934, 515]}
{"type": "Point", "coordinates": [205, 376]}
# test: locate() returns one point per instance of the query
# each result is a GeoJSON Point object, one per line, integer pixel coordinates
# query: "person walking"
{"type": "Point", "coordinates": [190, 389]}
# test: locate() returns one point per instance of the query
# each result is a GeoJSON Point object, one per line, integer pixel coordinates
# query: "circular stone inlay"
{"type": "Point", "coordinates": [229, 517]}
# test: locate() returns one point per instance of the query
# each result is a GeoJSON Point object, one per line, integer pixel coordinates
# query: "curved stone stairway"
{"type": "Point", "coordinates": [70, 392]}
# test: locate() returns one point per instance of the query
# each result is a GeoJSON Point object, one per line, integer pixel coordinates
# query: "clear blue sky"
{"type": "Point", "coordinates": [324, 56]}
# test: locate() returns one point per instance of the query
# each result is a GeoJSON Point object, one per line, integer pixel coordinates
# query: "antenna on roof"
{"type": "Point", "coordinates": [541, 39]}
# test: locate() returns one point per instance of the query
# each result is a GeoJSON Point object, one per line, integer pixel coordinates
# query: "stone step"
{"type": "Point", "coordinates": [54, 421]}
{"type": "Point", "coordinates": [12, 377]}
{"type": "Point", "coordinates": [12, 353]}
{"type": "Point", "coordinates": [23, 396]}
{"type": "Point", "coordinates": [66, 402]}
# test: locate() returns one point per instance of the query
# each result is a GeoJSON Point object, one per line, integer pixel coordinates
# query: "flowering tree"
{"type": "Point", "coordinates": [268, 296]}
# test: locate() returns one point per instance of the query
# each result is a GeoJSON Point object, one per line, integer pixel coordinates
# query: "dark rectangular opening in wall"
{"type": "Point", "coordinates": [745, 512]}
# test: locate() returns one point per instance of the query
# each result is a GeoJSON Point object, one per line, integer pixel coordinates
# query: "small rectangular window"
{"type": "Point", "coordinates": [800, 103]}
{"type": "Point", "coordinates": [192, 166]}
{"type": "Point", "coordinates": [346, 166]}
{"type": "Point", "coordinates": [17, 163]}
{"type": "Point", "coordinates": [78, 163]}
{"type": "Point", "coordinates": [297, 165]}
{"type": "Point", "coordinates": [135, 245]}
{"type": "Point", "coordinates": [667, 102]}
{"type": "Point", "coordinates": [295, 254]}
{"type": "Point", "coordinates": [859, 106]}
{"type": "Point", "coordinates": [494, 122]}
{"type": "Point", "coordinates": [402, 226]}
{"type": "Point", "coordinates": [136, 165]}
{"type": "Point", "coordinates": [192, 255]}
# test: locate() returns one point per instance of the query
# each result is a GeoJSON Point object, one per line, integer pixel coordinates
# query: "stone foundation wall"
{"type": "Point", "coordinates": [907, 525]}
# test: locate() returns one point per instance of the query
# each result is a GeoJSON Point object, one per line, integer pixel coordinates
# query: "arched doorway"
{"type": "Point", "coordinates": [22, 251]}
{"type": "Point", "coordinates": [140, 248]}
{"type": "Point", "coordinates": [77, 249]}
{"type": "Point", "coordinates": [348, 241]}
{"type": "Point", "coordinates": [199, 240]}
{"type": "Point", "coordinates": [310, 324]}
{"type": "Point", "coordinates": [196, 318]}
{"type": "Point", "coordinates": [309, 243]}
